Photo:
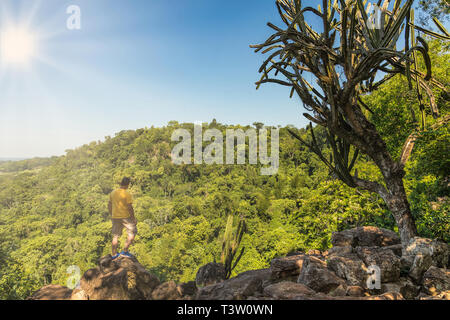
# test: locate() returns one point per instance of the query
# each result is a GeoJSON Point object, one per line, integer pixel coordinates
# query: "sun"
{"type": "Point", "coordinates": [17, 46]}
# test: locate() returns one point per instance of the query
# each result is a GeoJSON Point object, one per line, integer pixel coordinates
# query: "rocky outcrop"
{"type": "Point", "coordinates": [418, 271]}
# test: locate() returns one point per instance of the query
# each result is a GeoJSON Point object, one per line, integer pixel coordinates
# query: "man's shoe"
{"type": "Point", "coordinates": [126, 254]}
{"type": "Point", "coordinates": [115, 256]}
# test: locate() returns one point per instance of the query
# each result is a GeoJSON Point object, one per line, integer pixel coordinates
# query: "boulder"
{"type": "Point", "coordinates": [166, 291]}
{"type": "Point", "coordinates": [209, 274]}
{"type": "Point", "coordinates": [339, 291]}
{"type": "Point", "coordinates": [438, 251]}
{"type": "Point", "coordinates": [122, 279]}
{"type": "Point", "coordinates": [288, 290]}
{"type": "Point", "coordinates": [52, 292]}
{"type": "Point", "coordinates": [241, 287]}
{"type": "Point", "coordinates": [421, 263]}
{"type": "Point", "coordinates": [110, 286]}
{"type": "Point", "coordinates": [355, 291]}
{"type": "Point", "coordinates": [188, 289]}
{"type": "Point", "coordinates": [365, 237]}
{"type": "Point", "coordinates": [385, 259]}
{"type": "Point", "coordinates": [436, 280]}
{"type": "Point", "coordinates": [287, 266]}
{"type": "Point", "coordinates": [404, 286]}
{"type": "Point", "coordinates": [318, 277]}
{"type": "Point", "coordinates": [349, 267]}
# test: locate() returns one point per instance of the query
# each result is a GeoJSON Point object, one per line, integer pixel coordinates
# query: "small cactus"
{"type": "Point", "coordinates": [230, 245]}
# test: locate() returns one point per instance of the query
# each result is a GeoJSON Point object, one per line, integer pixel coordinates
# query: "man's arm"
{"type": "Point", "coordinates": [131, 211]}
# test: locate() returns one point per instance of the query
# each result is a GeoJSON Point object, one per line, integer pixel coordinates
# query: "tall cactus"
{"type": "Point", "coordinates": [230, 245]}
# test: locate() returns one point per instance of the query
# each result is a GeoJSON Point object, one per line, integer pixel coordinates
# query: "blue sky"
{"type": "Point", "coordinates": [134, 64]}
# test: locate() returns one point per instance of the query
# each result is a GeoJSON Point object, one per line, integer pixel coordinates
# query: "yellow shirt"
{"type": "Point", "coordinates": [120, 199]}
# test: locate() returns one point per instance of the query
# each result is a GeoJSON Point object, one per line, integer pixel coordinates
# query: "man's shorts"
{"type": "Point", "coordinates": [119, 224]}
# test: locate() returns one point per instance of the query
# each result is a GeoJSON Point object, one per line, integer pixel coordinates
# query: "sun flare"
{"type": "Point", "coordinates": [17, 46]}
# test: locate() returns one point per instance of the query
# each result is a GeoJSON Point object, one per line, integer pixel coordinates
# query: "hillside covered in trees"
{"type": "Point", "coordinates": [53, 212]}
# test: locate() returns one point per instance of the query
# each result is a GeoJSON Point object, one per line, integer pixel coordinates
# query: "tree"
{"type": "Point", "coordinates": [350, 56]}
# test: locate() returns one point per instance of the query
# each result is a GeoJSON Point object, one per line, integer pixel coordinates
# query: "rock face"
{"type": "Point", "coordinates": [418, 271]}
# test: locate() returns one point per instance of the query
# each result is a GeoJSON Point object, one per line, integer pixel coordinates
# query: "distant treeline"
{"type": "Point", "coordinates": [11, 165]}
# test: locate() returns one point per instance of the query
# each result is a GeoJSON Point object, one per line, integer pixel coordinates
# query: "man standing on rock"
{"type": "Point", "coordinates": [120, 208]}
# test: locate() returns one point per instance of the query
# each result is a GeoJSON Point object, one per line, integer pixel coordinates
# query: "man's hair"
{"type": "Point", "coordinates": [125, 181]}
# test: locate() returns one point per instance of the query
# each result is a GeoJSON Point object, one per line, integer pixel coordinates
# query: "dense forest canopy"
{"type": "Point", "coordinates": [53, 212]}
